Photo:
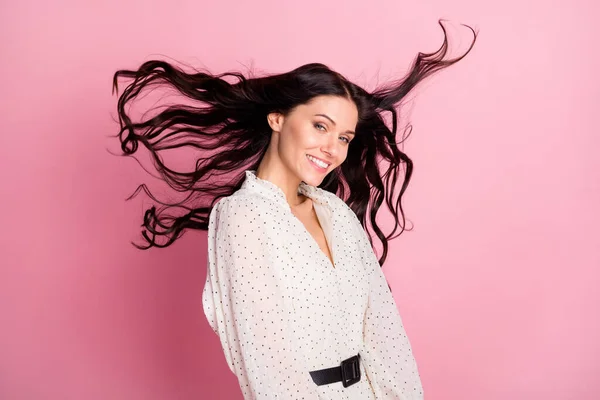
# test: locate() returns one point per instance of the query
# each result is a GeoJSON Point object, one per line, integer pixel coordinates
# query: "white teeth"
{"type": "Point", "coordinates": [318, 162]}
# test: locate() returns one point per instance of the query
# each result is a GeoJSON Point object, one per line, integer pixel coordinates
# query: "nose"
{"type": "Point", "coordinates": [329, 147]}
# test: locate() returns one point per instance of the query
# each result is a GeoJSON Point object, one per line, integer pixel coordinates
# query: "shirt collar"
{"type": "Point", "coordinates": [274, 192]}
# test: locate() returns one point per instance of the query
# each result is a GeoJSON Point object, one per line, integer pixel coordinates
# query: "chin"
{"type": "Point", "coordinates": [313, 179]}
{"type": "Point", "coordinates": [313, 182]}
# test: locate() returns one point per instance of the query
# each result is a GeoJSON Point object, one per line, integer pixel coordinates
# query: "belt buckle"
{"type": "Point", "coordinates": [350, 371]}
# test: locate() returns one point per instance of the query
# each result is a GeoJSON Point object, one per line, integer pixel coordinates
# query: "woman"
{"type": "Point", "coordinates": [289, 170]}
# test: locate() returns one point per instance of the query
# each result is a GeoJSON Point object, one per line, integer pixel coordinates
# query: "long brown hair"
{"type": "Point", "coordinates": [228, 124]}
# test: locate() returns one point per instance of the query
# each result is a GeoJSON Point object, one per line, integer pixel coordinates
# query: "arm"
{"type": "Point", "coordinates": [245, 305]}
{"type": "Point", "coordinates": [388, 355]}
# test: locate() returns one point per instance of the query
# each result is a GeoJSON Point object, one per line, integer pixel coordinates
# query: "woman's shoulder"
{"type": "Point", "coordinates": [339, 206]}
{"type": "Point", "coordinates": [334, 200]}
{"type": "Point", "coordinates": [241, 204]}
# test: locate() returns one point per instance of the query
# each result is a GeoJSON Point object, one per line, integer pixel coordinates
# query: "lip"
{"type": "Point", "coordinates": [316, 166]}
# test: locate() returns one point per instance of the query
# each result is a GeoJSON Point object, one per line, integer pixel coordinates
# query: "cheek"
{"type": "Point", "coordinates": [293, 142]}
{"type": "Point", "coordinates": [301, 137]}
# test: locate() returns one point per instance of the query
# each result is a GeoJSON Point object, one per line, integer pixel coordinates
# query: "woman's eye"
{"type": "Point", "coordinates": [345, 139]}
{"type": "Point", "coordinates": [320, 126]}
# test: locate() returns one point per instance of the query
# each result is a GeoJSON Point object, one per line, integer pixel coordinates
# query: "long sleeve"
{"type": "Point", "coordinates": [387, 354]}
{"type": "Point", "coordinates": [246, 306]}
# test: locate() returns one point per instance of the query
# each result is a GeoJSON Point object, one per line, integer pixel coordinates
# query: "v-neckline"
{"type": "Point", "coordinates": [312, 193]}
{"type": "Point", "coordinates": [314, 243]}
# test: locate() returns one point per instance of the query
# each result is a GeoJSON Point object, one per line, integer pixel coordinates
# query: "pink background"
{"type": "Point", "coordinates": [497, 283]}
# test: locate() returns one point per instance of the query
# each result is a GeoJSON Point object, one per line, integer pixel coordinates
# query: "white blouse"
{"type": "Point", "coordinates": [281, 309]}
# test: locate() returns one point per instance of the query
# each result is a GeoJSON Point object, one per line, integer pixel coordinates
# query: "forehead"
{"type": "Point", "coordinates": [340, 109]}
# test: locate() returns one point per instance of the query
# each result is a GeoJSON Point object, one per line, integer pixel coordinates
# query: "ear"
{"type": "Point", "coordinates": [275, 121]}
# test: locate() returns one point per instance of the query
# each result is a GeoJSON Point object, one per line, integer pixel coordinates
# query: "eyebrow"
{"type": "Point", "coordinates": [333, 122]}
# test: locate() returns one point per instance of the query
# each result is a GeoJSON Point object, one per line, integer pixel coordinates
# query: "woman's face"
{"type": "Point", "coordinates": [314, 137]}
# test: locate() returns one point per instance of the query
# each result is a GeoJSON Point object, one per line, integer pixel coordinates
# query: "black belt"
{"type": "Point", "coordinates": [348, 372]}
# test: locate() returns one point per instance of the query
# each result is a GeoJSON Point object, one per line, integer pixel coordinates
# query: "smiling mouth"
{"type": "Point", "coordinates": [317, 162]}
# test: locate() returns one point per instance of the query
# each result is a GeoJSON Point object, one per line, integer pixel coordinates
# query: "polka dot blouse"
{"type": "Point", "coordinates": [282, 309]}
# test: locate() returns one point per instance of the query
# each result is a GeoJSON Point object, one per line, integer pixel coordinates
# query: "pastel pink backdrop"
{"type": "Point", "coordinates": [497, 283]}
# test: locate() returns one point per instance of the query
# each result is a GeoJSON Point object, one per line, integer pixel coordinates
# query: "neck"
{"type": "Point", "coordinates": [273, 170]}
